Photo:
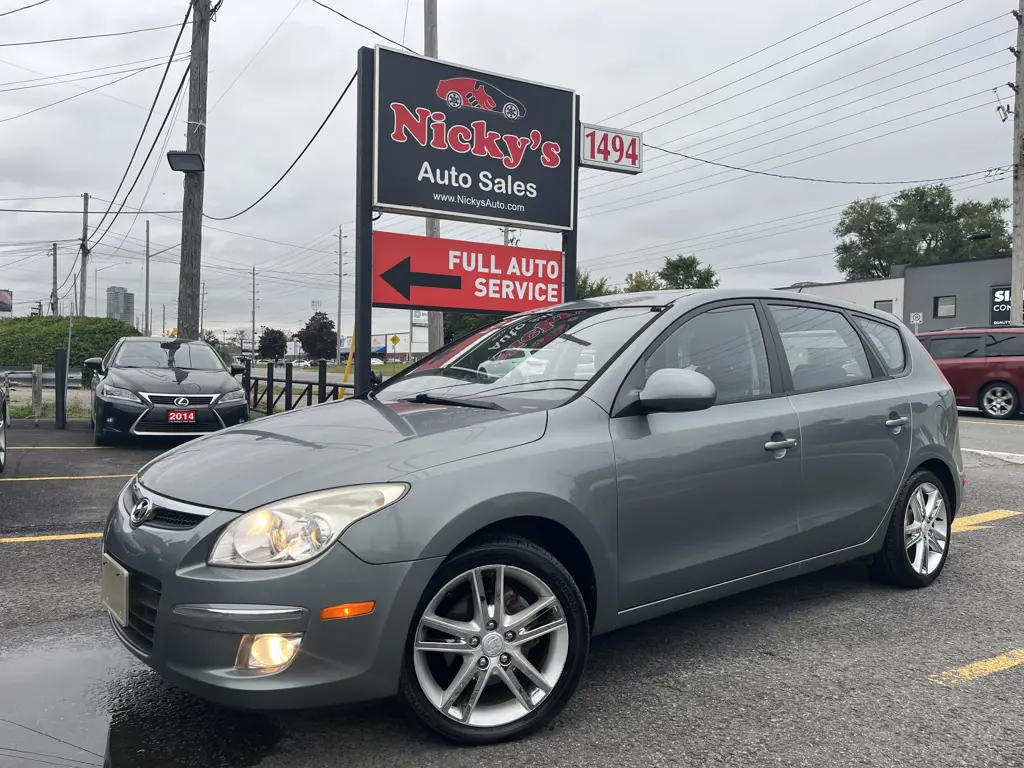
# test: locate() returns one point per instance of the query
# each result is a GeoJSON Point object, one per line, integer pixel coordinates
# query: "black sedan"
{"type": "Point", "coordinates": [163, 387]}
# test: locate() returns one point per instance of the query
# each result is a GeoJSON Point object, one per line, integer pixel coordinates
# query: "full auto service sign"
{"type": "Point", "coordinates": [465, 144]}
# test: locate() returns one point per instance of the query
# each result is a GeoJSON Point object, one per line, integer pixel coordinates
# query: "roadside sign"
{"type": "Point", "coordinates": [999, 305]}
{"type": "Point", "coordinates": [394, 341]}
{"type": "Point", "coordinates": [460, 276]}
{"type": "Point", "coordinates": [916, 318]}
{"type": "Point", "coordinates": [470, 145]}
{"type": "Point", "coordinates": [419, 318]}
{"type": "Point", "coordinates": [611, 149]}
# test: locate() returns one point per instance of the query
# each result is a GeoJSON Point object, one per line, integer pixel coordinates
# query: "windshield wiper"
{"type": "Point", "coordinates": [425, 398]}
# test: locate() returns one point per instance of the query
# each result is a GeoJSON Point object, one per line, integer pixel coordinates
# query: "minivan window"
{"type": "Point", "coordinates": [725, 345]}
{"type": "Point", "coordinates": [1004, 345]}
{"type": "Point", "coordinates": [535, 360]}
{"type": "Point", "coordinates": [950, 347]}
{"type": "Point", "coordinates": [822, 348]}
{"type": "Point", "coordinates": [887, 341]}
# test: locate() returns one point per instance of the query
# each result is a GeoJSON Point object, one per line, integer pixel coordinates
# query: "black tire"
{"type": "Point", "coordinates": [1007, 392]}
{"type": "Point", "coordinates": [99, 438]}
{"type": "Point", "coordinates": [892, 564]}
{"type": "Point", "coordinates": [524, 554]}
{"type": "Point", "coordinates": [3, 436]}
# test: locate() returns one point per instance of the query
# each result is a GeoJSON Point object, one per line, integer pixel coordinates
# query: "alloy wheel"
{"type": "Point", "coordinates": [926, 529]}
{"type": "Point", "coordinates": [3, 438]}
{"type": "Point", "coordinates": [491, 646]}
{"type": "Point", "coordinates": [998, 401]}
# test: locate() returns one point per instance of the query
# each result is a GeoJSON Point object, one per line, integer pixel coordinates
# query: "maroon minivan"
{"type": "Point", "coordinates": [984, 366]}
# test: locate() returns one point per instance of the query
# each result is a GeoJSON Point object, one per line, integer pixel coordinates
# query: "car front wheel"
{"type": "Point", "coordinates": [3, 436]}
{"type": "Point", "coordinates": [498, 645]}
{"type": "Point", "coordinates": [999, 401]}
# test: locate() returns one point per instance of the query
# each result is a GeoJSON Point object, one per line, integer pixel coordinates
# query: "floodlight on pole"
{"type": "Point", "coordinates": [185, 162]}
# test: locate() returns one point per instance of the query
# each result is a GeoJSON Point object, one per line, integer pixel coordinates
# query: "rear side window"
{"type": "Point", "coordinates": [887, 341]}
{"type": "Point", "coordinates": [952, 347]}
{"type": "Point", "coordinates": [1004, 345]}
{"type": "Point", "coordinates": [822, 348]}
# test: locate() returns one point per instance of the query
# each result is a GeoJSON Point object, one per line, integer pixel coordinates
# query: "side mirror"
{"type": "Point", "coordinates": [237, 369]}
{"type": "Point", "coordinates": [677, 390]}
{"type": "Point", "coordinates": [376, 378]}
{"type": "Point", "coordinates": [94, 364]}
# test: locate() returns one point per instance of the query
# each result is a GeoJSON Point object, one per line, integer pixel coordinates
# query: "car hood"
{"type": "Point", "coordinates": [330, 445]}
{"type": "Point", "coordinates": [173, 381]}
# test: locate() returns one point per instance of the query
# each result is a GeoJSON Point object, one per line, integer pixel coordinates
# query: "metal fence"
{"type": "Point", "coordinates": [16, 375]}
{"type": "Point", "coordinates": [292, 393]}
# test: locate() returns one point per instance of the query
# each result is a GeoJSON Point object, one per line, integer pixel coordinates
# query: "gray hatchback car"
{"type": "Point", "coordinates": [456, 537]}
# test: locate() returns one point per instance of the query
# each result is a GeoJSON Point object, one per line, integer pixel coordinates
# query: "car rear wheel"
{"type": "Point", "coordinates": [454, 99]}
{"type": "Point", "coordinates": [511, 111]}
{"type": "Point", "coordinates": [917, 540]}
{"type": "Point", "coordinates": [1000, 401]}
{"type": "Point", "coordinates": [498, 645]}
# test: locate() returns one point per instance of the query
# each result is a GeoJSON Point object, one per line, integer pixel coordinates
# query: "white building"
{"type": "Point", "coordinates": [885, 294]}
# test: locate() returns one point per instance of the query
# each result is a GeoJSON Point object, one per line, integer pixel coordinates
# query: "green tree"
{"type": "Point", "coordinates": [589, 287]}
{"type": "Point", "coordinates": [273, 344]}
{"type": "Point", "coordinates": [640, 282]}
{"type": "Point", "coordinates": [918, 226]}
{"type": "Point", "coordinates": [685, 272]}
{"type": "Point", "coordinates": [318, 338]}
{"type": "Point", "coordinates": [211, 338]}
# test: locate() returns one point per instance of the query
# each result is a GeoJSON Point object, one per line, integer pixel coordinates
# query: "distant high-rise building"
{"type": "Point", "coordinates": [120, 304]}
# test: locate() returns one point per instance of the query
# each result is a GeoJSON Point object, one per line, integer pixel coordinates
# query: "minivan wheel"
{"type": "Point", "coordinates": [999, 401]}
{"type": "Point", "coordinates": [498, 644]}
{"type": "Point", "coordinates": [917, 540]}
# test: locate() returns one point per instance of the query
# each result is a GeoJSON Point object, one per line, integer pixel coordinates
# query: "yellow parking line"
{"type": "Point", "coordinates": [982, 668]}
{"type": "Point", "coordinates": [53, 448]}
{"type": "Point", "coordinates": [993, 423]}
{"type": "Point", "coordinates": [975, 522]}
{"type": "Point", "coordinates": [72, 477]}
{"type": "Point", "coordinates": [61, 537]}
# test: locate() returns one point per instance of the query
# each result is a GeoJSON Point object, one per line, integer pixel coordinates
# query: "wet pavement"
{"type": "Point", "coordinates": [828, 669]}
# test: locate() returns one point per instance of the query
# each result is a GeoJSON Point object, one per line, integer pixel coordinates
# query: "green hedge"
{"type": "Point", "coordinates": [30, 340]}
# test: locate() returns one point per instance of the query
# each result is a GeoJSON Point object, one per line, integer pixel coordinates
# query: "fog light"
{"type": "Point", "coordinates": [268, 653]}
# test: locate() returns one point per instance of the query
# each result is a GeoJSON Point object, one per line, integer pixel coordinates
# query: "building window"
{"type": "Point", "coordinates": [885, 306]}
{"type": "Point", "coordinates": [945, 306]}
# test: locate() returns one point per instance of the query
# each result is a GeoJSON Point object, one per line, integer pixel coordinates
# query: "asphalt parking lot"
{"type": "Point", "coordinates": [828, 669]}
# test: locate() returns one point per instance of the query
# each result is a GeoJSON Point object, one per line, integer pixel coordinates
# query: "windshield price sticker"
{"type": "Point", "coordinates": [412, 270]}
{"type": "Point", "coordinates": [611, 149]}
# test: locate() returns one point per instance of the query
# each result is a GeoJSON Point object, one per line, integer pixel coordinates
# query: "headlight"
{"type": "Point", "coordinates": [233, 397]}
{"type": "Point", "coordinates": [108, 392]}
{"type": "Point", "coordinates": [298, 529]}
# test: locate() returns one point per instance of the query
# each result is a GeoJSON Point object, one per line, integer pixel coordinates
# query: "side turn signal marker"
{"type": "Point", "coordinates": [347, 610]}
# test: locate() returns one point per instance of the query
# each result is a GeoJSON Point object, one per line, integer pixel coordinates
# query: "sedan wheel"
{"type": "Point", "coordinates": [499, 644]}
{"type": "Point", "coordinates": [917, 540]}
{"type": "Point", "coordinates": [999, 401]}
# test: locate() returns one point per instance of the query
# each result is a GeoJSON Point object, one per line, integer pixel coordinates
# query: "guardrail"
{"type": "Point", "coordinates": [268, 400]}
{"type": "Point", "coordinates": [21, 375]}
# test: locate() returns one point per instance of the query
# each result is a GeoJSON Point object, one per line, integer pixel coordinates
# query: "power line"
{"type": "Point", "coordinates": [149, 115]}
{"type": "Point", "coordinates": [35, 84]}
{"type": "Point", "coordinates": [86, 37]}
{"type": "Point", "coordinates": [294, 162]}
{"type": "Point", "coordinates": [360, 24]}
{"type": "Point", "coordinates": [24, 8]}
{"type": "Point", "coordinates": [85, 71]}
{"type": "Point", "coordinates": [75, 213]}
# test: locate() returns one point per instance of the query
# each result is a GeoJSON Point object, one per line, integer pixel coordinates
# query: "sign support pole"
{"type": "Point", "coordinates": [569, 237]}
{"type": "Point", "coordinates": [364, 222]}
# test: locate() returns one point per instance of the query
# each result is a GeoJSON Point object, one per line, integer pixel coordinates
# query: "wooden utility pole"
{"type": "Point", "coordinates": [1017, 252]}
{"type": "Point", "coordinates": [435, 320]}
{"type": "Point", "coordinates": [192, 203]}
{"type": "Point", "coordinates": [147, 316]}
{"type": "Point", "coordinates": [53, 293]}
{"type": "Point", "coordinates": [252, 340]}
{"type": "Point", "coordinates": [337, 354]}
{"type": "Point", "coordinates": [202, 310]}
{"type": "Point", "coordinates": [163, 320]}
{"type": "Point", "coordinates": [85, 251]}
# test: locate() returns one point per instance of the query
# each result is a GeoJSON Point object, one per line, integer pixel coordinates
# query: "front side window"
{"type": "Point", "coordinates": [536, 360]}
{"type": "Point", "coordinates": [822, 348]}
{"type": "Point", "coordinates": [945, 306]}
{"type": "Point", "coordinates": [951, 347]}
{"type": "Point", "coordinates": [1004, 345]}
{"type": "Point", "coordinates": [725, 345]}
{"type": "Point", "coordinates": [887, 341]}
{"type": "Point", "coordinates": [189, 356]}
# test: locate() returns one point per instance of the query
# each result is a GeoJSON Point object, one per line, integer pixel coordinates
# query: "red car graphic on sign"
{"type": "Point", "coordinates": [459, 92]}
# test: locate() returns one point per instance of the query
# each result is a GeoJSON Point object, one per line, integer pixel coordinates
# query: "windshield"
{"type": "Point", "coordinates": [536, 360]}
{"type": "Point", "coordinates": [190, 356]}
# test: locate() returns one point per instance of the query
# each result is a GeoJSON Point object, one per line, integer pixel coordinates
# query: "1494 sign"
{"type": "Point", "coordinates": [465, 144]}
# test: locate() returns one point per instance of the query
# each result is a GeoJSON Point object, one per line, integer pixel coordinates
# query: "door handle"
{"type": "Point", "coordinates": [780, 445]}
{"type": "Point", "coordinates": [894, 423]}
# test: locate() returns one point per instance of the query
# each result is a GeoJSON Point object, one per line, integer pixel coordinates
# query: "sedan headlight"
{"type": "Point", "coordinates": [107, 392]}
{"type": "Point", "coordinates": [295, 530]}
{"type": "Point", "coordinates": [233, 397]}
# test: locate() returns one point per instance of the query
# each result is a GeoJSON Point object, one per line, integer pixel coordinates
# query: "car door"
{"type": "Point", "coordinates": [706, 497]}
{"type": "Point", "coordinates": [855, 423]}
{"type": "Point", "coordinates": [961, 358]}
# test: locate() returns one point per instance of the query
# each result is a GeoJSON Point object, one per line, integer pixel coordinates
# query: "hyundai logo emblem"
{"type": "Point", "coordinates": [141, 512]}
{"type": "Point", "coordinates": [181, 402]}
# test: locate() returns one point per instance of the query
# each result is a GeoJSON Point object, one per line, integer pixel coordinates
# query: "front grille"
{"type": "Point", "coordinates": [177, 427]}
{"type": "Point", "coordinates": [173, 520]}
{"type": "Point", "coordinates": [193, 400]}
{"type": "Point", "coordinates": [143, 604]}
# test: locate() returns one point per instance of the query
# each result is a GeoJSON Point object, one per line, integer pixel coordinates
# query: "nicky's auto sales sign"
{"type": "Point", "coordinates": [465, 144]}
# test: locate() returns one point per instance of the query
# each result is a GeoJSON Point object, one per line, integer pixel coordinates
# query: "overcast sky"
{"type": "Point", "coordinates": [615, 55]}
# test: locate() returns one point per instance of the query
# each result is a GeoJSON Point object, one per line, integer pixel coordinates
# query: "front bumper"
{"type": "Point", "coordinates": [120, 417]}
{"type": "Point", "coordinates": [186, 619]}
